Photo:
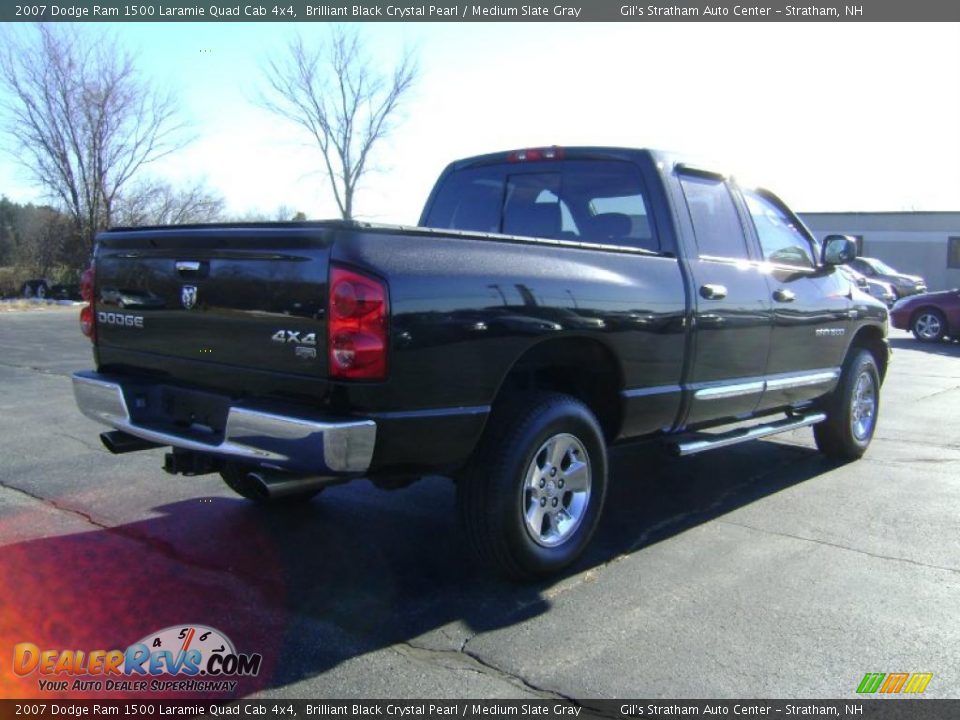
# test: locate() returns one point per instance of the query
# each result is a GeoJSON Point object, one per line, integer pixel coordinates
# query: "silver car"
{"type": "Point", "coordinates": [882, 291]}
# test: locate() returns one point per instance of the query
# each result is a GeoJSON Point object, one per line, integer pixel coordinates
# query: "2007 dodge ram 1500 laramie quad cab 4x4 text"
{"type": "Point", "coordinates": [552, 302]}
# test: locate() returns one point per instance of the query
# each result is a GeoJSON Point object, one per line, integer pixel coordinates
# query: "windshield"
{"type": "Point", "coordinates": [880, 266]}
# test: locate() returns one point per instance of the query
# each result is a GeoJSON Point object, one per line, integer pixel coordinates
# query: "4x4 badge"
{"type": "Point", "coordinates": [188, 296]}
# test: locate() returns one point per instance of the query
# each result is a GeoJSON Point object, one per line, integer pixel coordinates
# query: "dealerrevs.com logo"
{"type": "Point", "coordinates": [181, 658]}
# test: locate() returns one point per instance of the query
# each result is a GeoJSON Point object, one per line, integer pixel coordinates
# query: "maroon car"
{"type": "Point", "coordinates": [930, 316]}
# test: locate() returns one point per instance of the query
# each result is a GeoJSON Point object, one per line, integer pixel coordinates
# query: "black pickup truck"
{"type": "Point", "coordinates": [552, 302]}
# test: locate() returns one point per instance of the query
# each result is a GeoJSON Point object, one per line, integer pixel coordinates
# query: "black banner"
{"type": "Point", "coordinates": [478, 11]}
{"type": "Point", "coordinates": [894, 708]}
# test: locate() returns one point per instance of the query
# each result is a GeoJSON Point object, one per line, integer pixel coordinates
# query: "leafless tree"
{"type": "Point", "coordinates": [334, 92]}
{"type": "Point", "coordinates": [44, 233]}
{"type": "Point", "coordinates": [82, 118]}
{"type": "Point", "coordinates": [160, 203]}
{"type": "Point", "coordinates": [282, 213]}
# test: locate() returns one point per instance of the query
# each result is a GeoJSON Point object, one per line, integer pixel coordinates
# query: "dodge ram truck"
{"type": "Point", "coordinates": [551, 302]}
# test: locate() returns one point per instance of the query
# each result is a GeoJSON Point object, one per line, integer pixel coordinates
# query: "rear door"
{"type": "Point", "coordinates": [732, 310]}
{"type": "Point", "coordinates": [811, 305]}
{"type": "Point", "coordinates": [230, 296]}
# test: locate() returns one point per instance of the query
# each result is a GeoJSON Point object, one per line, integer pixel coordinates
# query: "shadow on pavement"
{"type": "Point", "coordinates": [351, 572]}
{"type": "Point", "coordinates": [949, 348]}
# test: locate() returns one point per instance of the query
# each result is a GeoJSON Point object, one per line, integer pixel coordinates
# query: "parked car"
{"type": "Point", "coordinates": [551, 303]}
{"type": "Point", "coordinates": [36, 288]}
{"type": "Point", "coordinates": [882, 291]}
{"type": "Point", "coordinates": [930, 317]}
{"type": "Point", "coordinates": [68, 291]}
{"type": "Point", "coordinates": [903, 284]}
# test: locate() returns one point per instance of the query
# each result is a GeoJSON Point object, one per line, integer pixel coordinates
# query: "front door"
{"type": "Point", "coordinates": [811, 306]}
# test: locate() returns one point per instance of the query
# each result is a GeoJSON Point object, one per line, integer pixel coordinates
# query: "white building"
{"type": "Point", "coordinates": [917, 243]}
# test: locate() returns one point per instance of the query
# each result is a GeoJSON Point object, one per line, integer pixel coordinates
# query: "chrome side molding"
{"type": "Point", "coordinates": [717, 391]}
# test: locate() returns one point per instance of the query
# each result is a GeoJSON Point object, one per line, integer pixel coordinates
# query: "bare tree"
{"type": "Point", "coordinates": [282, 213]}
{"type": "Point", "coordinates": [82, 119]}
{"type": "Point", "coordinates": [41, 243]}
{"type": "Point", "coordinates": [159, 203]}
{"type": "Point", "coordinates": [334, 92]}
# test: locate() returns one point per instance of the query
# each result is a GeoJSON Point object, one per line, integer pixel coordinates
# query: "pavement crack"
{"type": "Point", "coordinates": [165, 549]}
{"type": "Point", "coordinates": [938, 392]}
{"type": "Point", "coordinates": [36, 369]}
{"type": "Point", "coordinates": [87, 517]}
{"type": "Point", "coordinates": [910, 461]}
{"type": "Point", "coordinates": [97, 448]}
{"type": "Point", "coordinates": [463, 659]}
{"type": "Point", "coordinates": [827, 543]}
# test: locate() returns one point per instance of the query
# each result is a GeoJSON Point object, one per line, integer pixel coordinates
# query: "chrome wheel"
{"type": "Point", "coordinates": [927, 326]}
{"type": "Point", "coordinates": [556, 490]}
{"type": "Point", "coordinates": [863, 408]}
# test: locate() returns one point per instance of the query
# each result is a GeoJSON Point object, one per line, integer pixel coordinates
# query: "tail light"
{"type": "Point", "coordinates": [357, 326]}
{"type": "Point", "coordinates": [88, 324]}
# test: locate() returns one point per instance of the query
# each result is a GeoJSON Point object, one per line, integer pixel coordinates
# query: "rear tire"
{"type": "Point", "coordinates": [236, 478]}
{"type": "Point", "coordinates": [929, 325]}
{"type": "Point", "coordinates": [532, 497]}
{"type": "Point", "coordinates": [852, 410]}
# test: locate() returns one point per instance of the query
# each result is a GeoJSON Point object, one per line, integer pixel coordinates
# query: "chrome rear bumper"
{"type": "Point", "coordinates": [264, 438]}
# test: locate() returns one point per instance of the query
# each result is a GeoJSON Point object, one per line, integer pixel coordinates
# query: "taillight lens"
{"type": "Point", "coordinates": [357, 326]}
{"type": "Point", "coordinates": [88, 324]}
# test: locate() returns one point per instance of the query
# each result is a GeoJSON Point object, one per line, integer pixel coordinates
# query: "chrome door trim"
{"type": "Point", "coordinates": [821, 377]}
{"type": "Point", "coordinates": [750, 386]}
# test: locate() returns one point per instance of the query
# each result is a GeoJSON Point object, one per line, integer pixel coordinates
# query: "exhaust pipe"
{"type": "Point", "coordinates": [273, 484]}
{"type": "Point", "coordinates": [119, 442]}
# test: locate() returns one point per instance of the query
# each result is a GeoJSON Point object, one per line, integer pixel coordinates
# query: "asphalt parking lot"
{"type": "Point", "coordinates": [760, 570]}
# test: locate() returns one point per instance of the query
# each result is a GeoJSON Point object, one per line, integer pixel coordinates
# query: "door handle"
{"type": "Point", "coordinates": [783, 295]}
{"type": "Point", "coordinates": [713, 292]}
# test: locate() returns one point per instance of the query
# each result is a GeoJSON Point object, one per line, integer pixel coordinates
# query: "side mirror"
{"type": "Point", "coordinates": [839, 249]}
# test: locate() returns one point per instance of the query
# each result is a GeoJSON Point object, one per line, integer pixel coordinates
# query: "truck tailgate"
{"type": "Point", "coordinates": [230, 295]}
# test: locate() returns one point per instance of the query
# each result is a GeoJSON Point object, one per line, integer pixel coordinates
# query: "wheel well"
{"type": "Point", "coordinates": [870, 338]}
{"type": "Point", "coordinates": [583, 368]}
{"type": "Point", "coordinates": [938, 311]}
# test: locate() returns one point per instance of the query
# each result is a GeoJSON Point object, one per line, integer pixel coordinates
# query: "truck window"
{"type": "Point", "coordinates": [532, 205]}
{"type": "Point", "coordinates": [782, 242]}
{"type": "Point", "coordinates": [607, 202]}
{"type": "Point", "coordinates": [469, 200]}
{"type": "Point", "coordinates": [716, 225]}
{"type": "Point", "coordinates": [586, 201]}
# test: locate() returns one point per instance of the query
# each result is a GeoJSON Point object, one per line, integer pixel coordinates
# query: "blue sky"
{"type": "Point", "coordinates": [830, 116]}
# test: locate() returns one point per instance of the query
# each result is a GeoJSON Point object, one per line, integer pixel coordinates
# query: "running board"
{"type": "Point", "coordinates": [701, 444]}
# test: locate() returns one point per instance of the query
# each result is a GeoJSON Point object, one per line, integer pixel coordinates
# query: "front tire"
{"type": "Point", "coordinates": [852, 411]}
{"type": "Point", "coordinates": [531, 499]}
{"type": "Point", "coordinates": [929, 325]}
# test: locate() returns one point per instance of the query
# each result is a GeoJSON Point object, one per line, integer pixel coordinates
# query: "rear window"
{"type": "Point", "coordinates": [531, 205]}
{"type": "Point", "coordinates": [469, 200]}
{"type": "Point", "coordinates": [599, 202]}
